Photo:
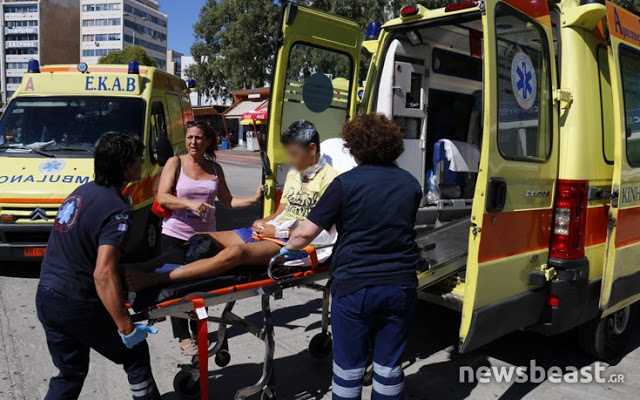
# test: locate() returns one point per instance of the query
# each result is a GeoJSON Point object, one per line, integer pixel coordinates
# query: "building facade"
{"type": "Point", "coordinates": [43, 30]}
{"type": "Point", "coordinates": [174, 62]}
{"type": "Point", "coordinates": [112, 25]}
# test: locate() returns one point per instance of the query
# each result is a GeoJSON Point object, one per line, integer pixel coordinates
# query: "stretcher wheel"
{"type": "Point", "coordinates": [367, 378]}
{"type": "Point", "coordinates": [320, 345]}
{"type": "Point", "coordinates": [268, 393]}
{"type": "Point", "coordinates": [223, 358]}
{"type": "Point", "coordinates": [186, 385]}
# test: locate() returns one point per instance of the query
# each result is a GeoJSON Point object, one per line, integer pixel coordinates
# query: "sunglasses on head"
{"type": "Point", "coordinates": [199, 124]}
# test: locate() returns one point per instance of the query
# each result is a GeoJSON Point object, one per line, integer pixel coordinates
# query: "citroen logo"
{"type": "Point", "coordinates": [39, 213]}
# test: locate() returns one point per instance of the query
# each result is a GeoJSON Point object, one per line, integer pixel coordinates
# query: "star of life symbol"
{"type": "Point", "coordinates": [523, 80]}
{"type": "Point", "coordinates": [65, 214]}
{"type": "Point", "coordinates": [68, 214]}
{"type": "Point", "coordinates": [51, 167]}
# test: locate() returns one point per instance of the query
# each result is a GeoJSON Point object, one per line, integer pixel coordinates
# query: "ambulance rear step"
{"type": "Point", "coordinates": [443, 251]}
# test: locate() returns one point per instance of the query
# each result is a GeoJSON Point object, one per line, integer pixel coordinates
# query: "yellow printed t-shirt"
{"type": "Point", "coordinates": [300, 197]}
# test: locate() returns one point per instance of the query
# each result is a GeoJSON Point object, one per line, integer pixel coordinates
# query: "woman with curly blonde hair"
{"type": "Point", "coordinates": [374, 261]}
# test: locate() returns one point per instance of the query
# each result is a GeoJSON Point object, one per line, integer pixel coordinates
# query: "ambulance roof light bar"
{"type": "Point", "coordinates": [33, 67]}
{"type": "Point", "coordinates": [134, 68]}
{"type": "Point", "coordinates": [460, 6]}
{"type": "Point", "coordinates": [408, 11]}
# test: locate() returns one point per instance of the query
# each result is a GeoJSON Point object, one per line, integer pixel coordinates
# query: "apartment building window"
{"type": "Point", "coordinates": [20, 24]}
{"type": "Point", "coordinates": [101, 7]}
{"type": "Point", "coordinates": [21, 51]}
{"type": "Point", "coordinates": [14, 79]}
{"type": "Point", "coordinates": [20, 9]}
{"type": "Point", "coordinates": [102, 37]}
{"type": "Point", "coordinates": [101, 22]}
{"type": "Point", "coordinates": [17, 65]}
{"type": "Point", "coordinates": [97, 53]}
{"type": "Point", "coordinates": [146, 44]}
{"type": "Point", "coordinates": [142, 14]}
{"type": "Point", "coordinates": [15, 37]}
{"type": "Point", "coordinates": [144, 29]}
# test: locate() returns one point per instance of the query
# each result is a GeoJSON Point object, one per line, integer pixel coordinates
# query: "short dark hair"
{"type": "Point", "coordinates": [373, 139]}
{"type": "Point", "coordinates": [302, 132]}
{"type": "Point", "coordinates": [113, 154]}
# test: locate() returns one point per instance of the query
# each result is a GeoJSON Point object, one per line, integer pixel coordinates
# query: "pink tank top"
{"type": "Point", "coordinates": [184, 223]}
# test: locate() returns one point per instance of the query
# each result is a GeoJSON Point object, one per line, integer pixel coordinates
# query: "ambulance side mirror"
{"type": "Point", "coordinates": [164, 150]}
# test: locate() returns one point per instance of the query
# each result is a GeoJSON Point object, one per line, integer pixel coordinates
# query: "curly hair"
{"type": "Point", "coordinates": [373, 139]}
{"type": "Point", "coordinates": [113, 155]}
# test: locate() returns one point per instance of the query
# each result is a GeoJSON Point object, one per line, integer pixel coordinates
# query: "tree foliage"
{"type": "Point", "coordinates": [128, 54]}
{"type": "Point", "coordinates": [235, 40]}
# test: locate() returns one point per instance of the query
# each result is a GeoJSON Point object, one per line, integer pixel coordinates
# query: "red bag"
{"type": "Point", "coordinates": [157, 208]}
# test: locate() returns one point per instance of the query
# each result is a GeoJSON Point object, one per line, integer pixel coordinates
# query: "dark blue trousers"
{"type": "Point", "coordinates": [374, 318]}
{"type": "Point", "coordinates": [73, 328]}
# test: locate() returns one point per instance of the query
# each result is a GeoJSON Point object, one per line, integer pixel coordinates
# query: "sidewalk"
{"type": "Point", "coordinates": [238, 156]}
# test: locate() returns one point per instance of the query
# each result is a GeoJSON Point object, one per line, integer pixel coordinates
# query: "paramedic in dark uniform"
{"type": "Point", "coordinates": [374, 260]}
{"type": "Point", "coordinates": [80, 301]}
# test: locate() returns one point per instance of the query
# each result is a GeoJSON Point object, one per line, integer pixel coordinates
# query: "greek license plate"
{"type": "Point", "coordinates": [35, 251]}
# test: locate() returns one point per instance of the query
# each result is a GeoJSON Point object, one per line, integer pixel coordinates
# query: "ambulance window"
{"type": "Point", "coordinates": [158, 126]}
{"type": "Point", "coordinates": [630, 71]}
{"type": "Point", "coordinates": [606, 105]}
{"type": "Point", "coordinates": [317, 89]}
{"type": "Point", "coordinates": [176, 123]}
{"type": "Point", "coordinates": [524, 87]}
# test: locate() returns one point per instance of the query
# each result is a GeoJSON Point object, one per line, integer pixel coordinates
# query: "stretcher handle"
{"type": "Point", "coordinates": [307, 251]}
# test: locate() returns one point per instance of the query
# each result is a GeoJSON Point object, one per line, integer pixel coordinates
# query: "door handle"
{"type": "Point", "coordinates": [496, 195]}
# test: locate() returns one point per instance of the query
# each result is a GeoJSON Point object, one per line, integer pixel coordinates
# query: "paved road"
{"type": "Point", "coordinates": [432, 366]}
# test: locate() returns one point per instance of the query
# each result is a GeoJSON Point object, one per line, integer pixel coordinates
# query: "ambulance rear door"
{"type": "Point", "coordinates": [315, 78]}
{"type": "Point", "coordinates": [512, 207]}
{"type": "Point", "coordinates": [621, 275]}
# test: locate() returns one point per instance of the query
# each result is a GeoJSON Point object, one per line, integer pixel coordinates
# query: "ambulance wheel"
{"type": "Point", "coordinates": [152, 236]}
{"type": "Point", "coordinates": [606, 338]}
{"type": "Point", "coordinates": [321, 345]}
{"type": "Point", "coordinates": [186, 386]}
{"type": "Point", "coordinates": [223, 358]}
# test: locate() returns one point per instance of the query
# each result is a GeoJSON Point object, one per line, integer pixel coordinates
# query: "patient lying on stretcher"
{"type": "Point", "coordinates": [256, 245]}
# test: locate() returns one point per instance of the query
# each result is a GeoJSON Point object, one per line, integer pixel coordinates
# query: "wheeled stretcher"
{"type": "Point", "coordinates": [189, 301]}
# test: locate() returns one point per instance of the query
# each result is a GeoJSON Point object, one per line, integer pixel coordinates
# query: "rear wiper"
{"type": "Point", "coordinates": [32, 149]}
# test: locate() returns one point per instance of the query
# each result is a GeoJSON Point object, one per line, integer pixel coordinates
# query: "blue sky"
{"type": "Point", "coordinates": [182, 15]}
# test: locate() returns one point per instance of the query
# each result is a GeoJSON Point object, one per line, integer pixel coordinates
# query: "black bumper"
{"type": "Point", "coordinates": [15, 238]}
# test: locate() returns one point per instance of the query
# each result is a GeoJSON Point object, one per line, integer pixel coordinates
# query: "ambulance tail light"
{"type": "Point", "coordinates": [570, 218]}
{"type": "Point", "coordinates": [552, 300]}
{"type": "Point", "coordinates": [33, 67]}
{"type": "Point", "coordinates": [409, 10]}
{"type": "Point", "coordinates": [460, 6]}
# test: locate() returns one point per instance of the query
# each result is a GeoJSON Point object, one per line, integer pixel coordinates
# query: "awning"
{"type": "Point", "coordinates": [241, 108]}
{"type": "Point", "coordinates": [259, 114]}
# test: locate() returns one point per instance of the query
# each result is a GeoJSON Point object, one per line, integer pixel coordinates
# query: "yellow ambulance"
{"type": "Point", "coordinates": [48, 133]}
{"type": "Point", "coordinates": [538, 106]}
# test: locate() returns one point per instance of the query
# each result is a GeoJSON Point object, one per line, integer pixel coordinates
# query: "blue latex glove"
{"type": "Point", "coordinates": [140, 333]}
{"type": "Point", "coordinates": [292, 255]}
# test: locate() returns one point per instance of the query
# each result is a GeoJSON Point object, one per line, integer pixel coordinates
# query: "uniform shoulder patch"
{"type": "Point", "coordinates": [68, 214]}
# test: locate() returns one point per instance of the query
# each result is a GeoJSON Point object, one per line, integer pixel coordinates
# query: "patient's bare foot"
{"type": "Point", "coordinates": [137, 280]}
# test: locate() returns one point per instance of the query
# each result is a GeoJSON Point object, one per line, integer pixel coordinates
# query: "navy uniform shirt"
{"type": "Point", "coordinates": [90, 217]}
{"type": "Point", "coordinates": [374, 209]}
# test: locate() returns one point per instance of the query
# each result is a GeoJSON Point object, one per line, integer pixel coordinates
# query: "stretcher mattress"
{"type": "Point", "coordinates": [149, 297]}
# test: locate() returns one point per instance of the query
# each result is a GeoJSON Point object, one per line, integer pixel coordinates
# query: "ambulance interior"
{"type": "Point", "coordinates": [430, 83]}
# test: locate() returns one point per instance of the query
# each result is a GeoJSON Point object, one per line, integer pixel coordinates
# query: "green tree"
{"type": "Point", "coordinates": [128, 54]}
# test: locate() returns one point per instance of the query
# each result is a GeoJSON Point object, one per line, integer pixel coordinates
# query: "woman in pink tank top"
{"type": "Point", "coordinates": [200, 181]}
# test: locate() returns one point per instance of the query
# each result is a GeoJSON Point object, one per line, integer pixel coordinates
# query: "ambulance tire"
{"type": "Point", "coordinates": [152, 236]}
{"type": "Point", "coordinates": [321, 345]}
{"type": "Point", "coordinates": [606, 338]}
{"type": "Point", "coordinates": [186, 385]}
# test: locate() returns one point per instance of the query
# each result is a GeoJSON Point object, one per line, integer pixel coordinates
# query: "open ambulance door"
{"type": "Point", "coordinates": [512, 207]}
{"type": "Point", "coordinates": [621, 275]}
{"type": "Point", "coordinates": [315, 78]}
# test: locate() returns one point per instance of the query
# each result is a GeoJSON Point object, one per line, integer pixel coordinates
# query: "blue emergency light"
{"type": "Point", "coordinates": [191, 83]}
{"type": "Point", "coordinates": [373, 31]}
{"type": "Point", "coordinates": [33, 67]}
{"type": "Point", "coordinates": [134, 67]}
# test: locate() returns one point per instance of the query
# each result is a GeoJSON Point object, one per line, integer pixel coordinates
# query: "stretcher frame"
{"type": "Point", "coordinates": [186, 307]}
